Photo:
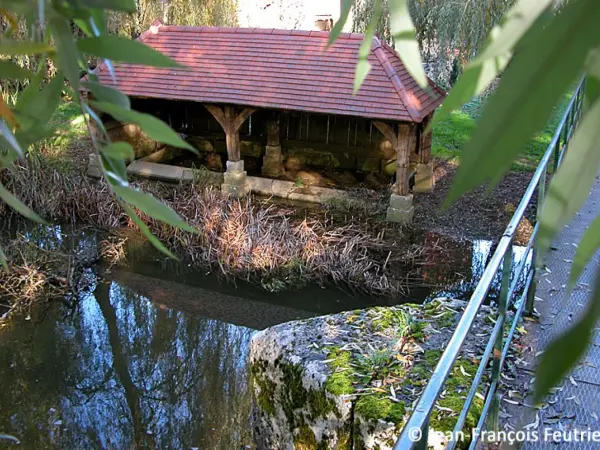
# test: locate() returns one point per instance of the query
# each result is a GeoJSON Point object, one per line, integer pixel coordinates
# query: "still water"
{"type": "Point", "coordinates": [154, 358]}
{"type": "Point", "coordinates": [117, 371]}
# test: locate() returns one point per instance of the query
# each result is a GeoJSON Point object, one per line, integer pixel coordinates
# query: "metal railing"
{"type": "Point", "coordinates": [415, 432]}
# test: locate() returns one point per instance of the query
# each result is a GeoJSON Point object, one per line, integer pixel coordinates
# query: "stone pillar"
{"type": "Point", "coordinates": [94, 168]}
{"type": "Point", "coordinates": [235, 180]}
{"type": "Point", "coordinates": [424, 178]}
{"type": "Point", "coordinates": [401, 209]}
{"type": "Point", "coordinates": [273, 160]}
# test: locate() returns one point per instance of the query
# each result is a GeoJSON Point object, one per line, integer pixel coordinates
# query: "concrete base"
{"type": "Point", "coordinates": [272, 162]}
{"type": "Point", "coordinates": [424, 178]}
{"type": "Point", "coordinates": [401, 209]}
{"type": "Point", "coordinates": [235, 180]}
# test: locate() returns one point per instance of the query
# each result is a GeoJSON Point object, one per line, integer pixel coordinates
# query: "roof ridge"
{"type": "Point", "coordinates": [252, 30]}
{"type": "Point", "coordinates": [378, 50]}
{"type": "Point", "coordinates": [154, 28]}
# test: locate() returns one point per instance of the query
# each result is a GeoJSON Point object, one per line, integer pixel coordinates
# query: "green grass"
{"type": "Point", "coordinates": [451, 135]}
{"type": "Point", "coordinates": [66, 129]}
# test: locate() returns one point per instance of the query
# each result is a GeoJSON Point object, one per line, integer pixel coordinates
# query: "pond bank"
{"type": "Point", "coordinates": [276, 246]}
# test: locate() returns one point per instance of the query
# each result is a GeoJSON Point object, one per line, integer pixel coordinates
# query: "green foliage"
{"type": "Point", "coordinates": [10, 69]}
{"type": "Point", "coordinates": [403, 34]}
{"type": "Point", "coordinates": [154, 128]}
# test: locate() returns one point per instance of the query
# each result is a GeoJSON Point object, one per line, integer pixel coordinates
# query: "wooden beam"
{"type": "Point", "coordinates": [218, 114]}
{"type": "Point", "coordinates": [242, 117]}
{"type": "Point", "coordinates": [387, 131]}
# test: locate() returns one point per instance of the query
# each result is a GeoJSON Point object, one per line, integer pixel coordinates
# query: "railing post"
{"type": "Point", "coordinates": [534, 251]}
{"type": "Point", "coordinates": [493, 418]}
{"type": "Point", "coordinates": [421, 444]}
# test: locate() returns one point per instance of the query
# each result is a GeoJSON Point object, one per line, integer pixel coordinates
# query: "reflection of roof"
{"type": "Point", "coordinates": [279, 69]}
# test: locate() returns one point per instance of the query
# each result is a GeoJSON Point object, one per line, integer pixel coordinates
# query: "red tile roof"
{"type": "Point", "coordinates": [279, 69]}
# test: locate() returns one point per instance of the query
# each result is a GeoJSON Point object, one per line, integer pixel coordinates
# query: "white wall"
{"type": "Point", "coordinates": [287, 14]}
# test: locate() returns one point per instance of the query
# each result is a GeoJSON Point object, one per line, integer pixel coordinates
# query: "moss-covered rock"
{"type": "Point", "coordinates": [356, 383]}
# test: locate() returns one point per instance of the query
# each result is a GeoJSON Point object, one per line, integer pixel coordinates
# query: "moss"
{"type": "Point", "coordinates": [457, 387]}
{"type": "Point", "coordinates": [266, 397]}
{"type": "Point", "coordinates": [295, 396]}
{"type": "Point", "coordinates": [374, 407]}
{"type": "Point", "coordinates": [432, 357]}
{"type": "Point", "coordinates": [341, 380]}
{"type": "Point", "coordinates": [305, 439]}
{"type": "Point", "coordinates": [448, 319]}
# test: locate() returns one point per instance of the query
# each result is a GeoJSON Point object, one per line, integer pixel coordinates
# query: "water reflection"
{"type": "Point", "coordinates": [121, 372]}
{"type": "Point", "coordinates": [453, 269]}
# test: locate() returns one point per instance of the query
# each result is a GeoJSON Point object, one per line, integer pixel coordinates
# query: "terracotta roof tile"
{"type": "Point", "coordinates": [280, 69]}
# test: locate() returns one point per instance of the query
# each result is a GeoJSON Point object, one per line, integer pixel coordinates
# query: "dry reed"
{"type": "Point", "coordinates": [240, 238]}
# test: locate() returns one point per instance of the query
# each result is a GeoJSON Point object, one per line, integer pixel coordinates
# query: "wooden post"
{"type": "Point", "coordinates": [402, 143]}
{"type": "Point", "coordinates": [406, 140]}
{"type": "Point", "coordinates": [273, 130]}
{"type": "Point", "coordinates": [425, 144]}
{"type": "Point", "coordinates": [231, 123]}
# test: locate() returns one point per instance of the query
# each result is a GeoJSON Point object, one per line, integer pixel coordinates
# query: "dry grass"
{"type": "Point", "coordinates": [268, 245]}
{"type": "Point", "coordinates": [36, 274]}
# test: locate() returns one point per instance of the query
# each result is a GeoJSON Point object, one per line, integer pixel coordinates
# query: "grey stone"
{"type": "Point", "coordinates": [273, 151]}
{"type": "Point", "coordinates": [424, 178]}
{"type": "Point", "coordinates": [235, 180]}
{"type": "Point", "coordinates": [235, 166]}
{"type": "Point", "coordinates": [298, 404]}
{"type": "Point", "coordinates": [234, 177]}
{"type": "Point", "coordinates": [402, 216]}
{"type": "Point", "coordinates": [272, 162]}
{"type": "Point", "coordinates": [236, 190]}
{"type": "Point", "coordinates": [402, 202]}
{"type": "Point", "coordinates": [94, 170]}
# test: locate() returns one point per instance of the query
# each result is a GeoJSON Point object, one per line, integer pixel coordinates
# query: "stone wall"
{"type": "Point", "coordinates": [298, 155]}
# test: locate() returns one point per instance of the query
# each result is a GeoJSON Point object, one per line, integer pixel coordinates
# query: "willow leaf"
{"type": "Point", "coordinates": [152, 207]}
{"type": "Point", "coordinates": [67, 52]}
{"type": "Point", "coordinates": [363, 66]}
{"type": "Point", "coordinates": [108, 94]}
{"type": "Point", "coordinates": [531, 86]}
{"type": "Point", "coordinates": [18, 205]}
{"type": "Point", "coordinates": [153, 127]}
{"type": "Point", "coordinates": [339, 24]}
{"type": "Point", "coordinates": [10, 69]}
{"type": "Point", "coordinates": [405, 40]}
{"type": "Point", "coordinates": [146, 232]}
{"type": "Point", "coordinates": [122, 49]}
{"type": "Point", "coordinates": [586, 248]}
